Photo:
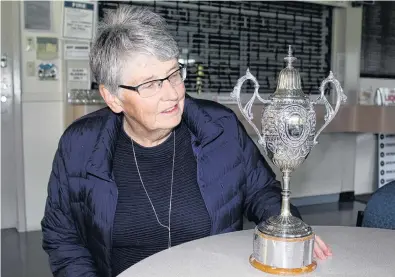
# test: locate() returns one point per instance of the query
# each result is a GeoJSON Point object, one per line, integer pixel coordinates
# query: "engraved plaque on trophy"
{"type": "Point", "coordinates": [283, 244]}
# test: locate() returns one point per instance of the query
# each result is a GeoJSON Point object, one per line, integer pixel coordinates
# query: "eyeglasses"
{"type": "Point", "coordinates": [150, 88]}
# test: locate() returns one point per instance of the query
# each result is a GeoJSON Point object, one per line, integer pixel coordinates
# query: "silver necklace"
{"type": "Point", "coordinates": [171, 189]}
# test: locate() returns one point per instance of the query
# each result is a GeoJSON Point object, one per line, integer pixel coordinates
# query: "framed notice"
{"type": "Point", "coordinates": [78, 74]}
{"type": "Point", "coordinates": [78, 19]}
{"type": "Point", "coordinates": [76, 51]}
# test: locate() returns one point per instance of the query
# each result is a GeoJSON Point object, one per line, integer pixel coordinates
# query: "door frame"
{"type": "Point", "coordinates": [17, 41]}
{"type": "Point", "coordinates": [17, 114]}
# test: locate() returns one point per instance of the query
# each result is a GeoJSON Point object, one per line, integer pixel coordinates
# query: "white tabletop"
{"type": "Point", "coordinates": [357, 252]}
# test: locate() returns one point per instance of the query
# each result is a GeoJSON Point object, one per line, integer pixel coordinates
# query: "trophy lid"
{"type": "Point", "coordinates": [289, 83]}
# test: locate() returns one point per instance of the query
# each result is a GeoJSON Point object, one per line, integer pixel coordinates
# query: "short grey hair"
{"type": "Point", "coordinates": [123, 33]}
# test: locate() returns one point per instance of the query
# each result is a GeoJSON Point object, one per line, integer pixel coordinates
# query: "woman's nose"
{"type": "Point", "coordinates": [169, 92]}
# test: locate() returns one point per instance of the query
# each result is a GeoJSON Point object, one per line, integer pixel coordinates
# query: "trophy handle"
{"type": "Point", "coordinates": [246, 111]}
{"type": "Point", "coordinates": [340, 98]}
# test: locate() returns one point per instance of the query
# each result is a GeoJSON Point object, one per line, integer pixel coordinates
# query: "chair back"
{"type": "Point", "coordinates": [380, 209]}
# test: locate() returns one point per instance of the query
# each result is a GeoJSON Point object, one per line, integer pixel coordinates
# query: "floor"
{"type": "Point", "coordinates": [22, 255]}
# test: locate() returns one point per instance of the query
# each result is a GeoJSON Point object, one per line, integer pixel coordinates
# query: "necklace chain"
{"type": "Point", "coordinates": [171, 189]}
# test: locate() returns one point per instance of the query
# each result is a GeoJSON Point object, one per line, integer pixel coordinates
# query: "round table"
{"type": "Point", "coordinates": [357, 252]}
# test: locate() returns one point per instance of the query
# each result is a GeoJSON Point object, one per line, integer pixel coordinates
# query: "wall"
{"type": "Point", "coordinates": [324, 172]}
{"type": "Point", "coordinates": [366, 153]}
{"type": "Point", "coordinates": [340, 162]}
{"type": "Point", "coordinates": [376, 83]}
{"type": "Point", "coordinates": [42, 109]}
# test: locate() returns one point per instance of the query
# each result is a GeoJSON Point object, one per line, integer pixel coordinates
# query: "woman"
{"type": "Point", "coordinates": [153, 170]}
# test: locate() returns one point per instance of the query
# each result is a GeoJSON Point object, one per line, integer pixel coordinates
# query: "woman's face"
{"type": "Point", "coordinates": [160, 111]}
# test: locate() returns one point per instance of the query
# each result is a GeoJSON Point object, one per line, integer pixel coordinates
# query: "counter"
{"type": "Point", "coordinates": [350, 118]}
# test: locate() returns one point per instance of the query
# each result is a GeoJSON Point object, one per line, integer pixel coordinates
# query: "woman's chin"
{"type": "Point", "coordinates": [170, 123]}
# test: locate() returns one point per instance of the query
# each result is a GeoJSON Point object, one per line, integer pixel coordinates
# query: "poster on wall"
{"type": "Point", "coordinates": [386, 142]}
{"type": "Point", "coordinates": [47, 48]}
{"type": "Point", "coordinates": [78, 18]}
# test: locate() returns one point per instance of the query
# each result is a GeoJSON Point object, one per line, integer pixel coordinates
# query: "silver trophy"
{"type": "Point", "coordinates": [283, 244]}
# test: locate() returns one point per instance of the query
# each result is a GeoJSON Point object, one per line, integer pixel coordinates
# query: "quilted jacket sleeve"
{"type": "Point", "coordinates": [263, 191]}
{"type": "Point", "coordinates": [67, 255]}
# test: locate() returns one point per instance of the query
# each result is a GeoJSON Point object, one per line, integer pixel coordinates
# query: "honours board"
{"type": "Point", "coordinates": [222, 38]}
{"type": "Point", "coordinates": [378, 40]}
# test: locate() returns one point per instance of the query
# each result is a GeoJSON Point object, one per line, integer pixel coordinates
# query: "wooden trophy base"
{"type": "Point", "coordinates": [282, 271]}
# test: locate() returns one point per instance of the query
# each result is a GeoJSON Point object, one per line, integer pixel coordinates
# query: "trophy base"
{"type": "Point", "coordinates": [283, 245]}
{"type": "Point", "coordinates": [282, 271]}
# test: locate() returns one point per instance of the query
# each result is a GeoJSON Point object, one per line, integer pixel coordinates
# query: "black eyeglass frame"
{"type": "Point", "coordinates": [136, 88]}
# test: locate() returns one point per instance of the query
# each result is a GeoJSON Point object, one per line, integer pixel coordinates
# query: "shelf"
{"type": "Point", "coordinates": [349, 119]}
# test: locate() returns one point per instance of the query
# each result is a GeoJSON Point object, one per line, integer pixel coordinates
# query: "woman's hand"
{"type": "Point", "coordinates": [321, 250]}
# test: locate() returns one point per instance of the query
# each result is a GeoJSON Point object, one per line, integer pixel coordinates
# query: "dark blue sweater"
{"type": "Point", "coordinates": [233, 178]}
{"type": "Point", "coordinates": [137, 233]}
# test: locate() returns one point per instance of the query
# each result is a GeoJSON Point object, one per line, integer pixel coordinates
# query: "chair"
{"type": "Point", "coordinates": [380, 209]}
{"type": "Point", "coordinates": [359, 219]}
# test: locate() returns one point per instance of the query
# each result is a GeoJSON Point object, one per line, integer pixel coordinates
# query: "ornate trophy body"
{"type": "Point", "coordinates": [284, 244]}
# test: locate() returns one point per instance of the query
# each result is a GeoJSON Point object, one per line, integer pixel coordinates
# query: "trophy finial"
{"type": "Point", "coordinates": [289, 83]}
{"type": "Point", "coordinates": [290, 59]}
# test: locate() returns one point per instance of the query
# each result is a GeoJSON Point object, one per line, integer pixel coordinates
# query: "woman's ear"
{"type": "Point", "coordinates": [111, 100]}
